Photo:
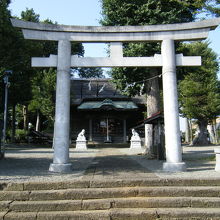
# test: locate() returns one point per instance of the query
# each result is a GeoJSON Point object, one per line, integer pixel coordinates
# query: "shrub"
{"type": "Point", "coordinates": [21, 135]}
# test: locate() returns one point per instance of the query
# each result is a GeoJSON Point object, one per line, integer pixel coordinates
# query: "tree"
{"type": "Point", "coordinates": [43, 81]}
{"type": "Point", "coordinates": [199, 90]}
{"type": "Point", "coordinates": [22, 78]}
{"type": "Point", "coordinates": [43, 90]}
{"type": "Point", "coordinates": [9, 39]}
{"type": "Point", "coordinates": [145, 12]}
{"type": "Point", "coordinates": [11, 55]}
{"type": "Point", "coordinates": [16, 53]}
{"type": "Point", "coordinates": [212, 7]}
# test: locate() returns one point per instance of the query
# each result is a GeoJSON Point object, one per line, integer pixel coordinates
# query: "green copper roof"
{"type": "Point", "coordinates": [108, 104]}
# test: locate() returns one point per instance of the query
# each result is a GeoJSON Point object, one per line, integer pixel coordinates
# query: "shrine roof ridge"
{"type": "Point", "coordinates": [92, 79]}
{"type": "Point", "coordinates": [209, 23]}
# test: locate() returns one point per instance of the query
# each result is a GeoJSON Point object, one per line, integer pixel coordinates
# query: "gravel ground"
{"type": "Point", "coordinates": [200, 163]}
{"type": "Point", "coordinates": [31, 163]}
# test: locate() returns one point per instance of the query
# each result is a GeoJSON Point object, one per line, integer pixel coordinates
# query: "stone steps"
{"type": "Point", "coordinates": [121, 192]}
{"type": "Point", "coordinates": [106, 204]}
{"type": "Point", "coordinates": [120, 214]}
{"type": "Point", "coordinates": [111, 199]}
{"type": "Point", "coordinates": [27, 186]}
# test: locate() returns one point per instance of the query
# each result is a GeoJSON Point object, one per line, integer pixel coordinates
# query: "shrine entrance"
{"type": "Point", "coordinates": [108, 128]}
{"type": "Point", "coordinates": [116, 36]}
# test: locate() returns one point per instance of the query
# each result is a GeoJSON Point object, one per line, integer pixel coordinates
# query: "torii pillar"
{"type": "Point", "coordinates": [116, 35]}
{"type": "Point", "coordinates": [62, 112]}
{"type": "Point", "coordinates": [171, 109]}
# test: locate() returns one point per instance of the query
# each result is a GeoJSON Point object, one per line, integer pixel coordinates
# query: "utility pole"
{"type": "Point", "coordinates": [7, 83]}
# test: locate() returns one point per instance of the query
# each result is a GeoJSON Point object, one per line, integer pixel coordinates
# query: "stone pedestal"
{"type": "Point", "coordinates": [217, 155]}
{"type": "Point", "coordinates": [135, 144]}
{"type": "Point", "coordinates": [174, 167]}
{"type": "Point", "coordinates": [81, 145]}
{"type": "Point", "coordinates": [60, 168]}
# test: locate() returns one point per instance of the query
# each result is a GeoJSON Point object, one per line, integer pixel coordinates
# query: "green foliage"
{"type": "Point", "coordinates": [130, 12]}
{"type": "Point", "coordinates": [10, 48]}
{"type": "Point", "coordinates": [21, 135]}
{"type": "Point", "coordinates": [144, 12]}
{"type": "Point", "coordinates": [16, 53]}
{"type": "Point", "coordinates": [43, 90]}
{"type": "Point", "coordinates": [8, 39]}
{"type": "Point", "coordinates": [199, 90]}
{"type": "Point", "coordinates": [147, 12]}
{"type": "Point", "coordinates": [6, 35]}
{"type": "Point", "coordinates": [29, 15]}
{"type": "Point", "coordinates": [42, 81]}
{"type": "Point", "coordinates": [213, 7]}
{"type": "Point", "coordinates": [19, 115]}
{"type": "Point", "coordinates": [20, 90]}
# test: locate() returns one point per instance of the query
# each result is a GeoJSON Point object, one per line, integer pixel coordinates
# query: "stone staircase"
{"type": "Point", "coordinates": [152, 198]}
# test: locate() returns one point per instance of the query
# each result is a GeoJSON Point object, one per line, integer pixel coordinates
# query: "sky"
{"type": "Point", "coordinates": [82, 12]}
{"type": "Point", "coordinates": [68, 12]}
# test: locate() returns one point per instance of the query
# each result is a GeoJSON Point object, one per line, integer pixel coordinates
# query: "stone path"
{"type": "Point", "coordinates": [117, 166]}
{"type": "Point", "coordinates": [26, 163]}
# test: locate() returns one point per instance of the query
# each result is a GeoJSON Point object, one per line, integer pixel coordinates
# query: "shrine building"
{"type": "Point", "coordinates": [103, 111]}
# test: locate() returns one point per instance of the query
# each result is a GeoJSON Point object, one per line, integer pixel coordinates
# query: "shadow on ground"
{"type": "Point", "coordinates": [28, 161]}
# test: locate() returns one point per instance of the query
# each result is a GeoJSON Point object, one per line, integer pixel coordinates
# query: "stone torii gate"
{"type": "Point", "coordinates": [116, 35]}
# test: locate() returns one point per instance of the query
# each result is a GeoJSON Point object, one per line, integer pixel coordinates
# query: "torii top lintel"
{"type": "Point", "coordinates": [180, 31]}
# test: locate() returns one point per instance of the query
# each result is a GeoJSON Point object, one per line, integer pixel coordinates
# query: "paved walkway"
{"type": "Point", "coordinates": [28, 163]}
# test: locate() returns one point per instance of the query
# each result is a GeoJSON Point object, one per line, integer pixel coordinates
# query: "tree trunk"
{"type": "Point", "coordinates": [191, 132]}
{"type": "Point", "coordinates": [38, 121]}
{"type": "Point", "coordinates": [202, 138]}
{"type": "Point", "coordinates": [153, 106]}
{"type": "Point", "coordinates": [25, 116]}
{"type": "Point", "coordinates": [211, 132]}
{"type": "Point", "coordinates": [13, 123]}
{"type": "Point", "coordinates": [149, 139]}
{"type": "Point", "coordinates": [187, 131]}
{"type": "Point", "coordinates": [216, 132]}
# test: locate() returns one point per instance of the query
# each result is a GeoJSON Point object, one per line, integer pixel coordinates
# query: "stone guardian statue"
{"type": "Point", "coordinates": [135, 140]}
{"type": "Point", "coordinates": [81, 141]}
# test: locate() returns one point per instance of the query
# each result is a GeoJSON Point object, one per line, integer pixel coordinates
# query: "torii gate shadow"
{"type": "Point", "coordinates": [32, 163]}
